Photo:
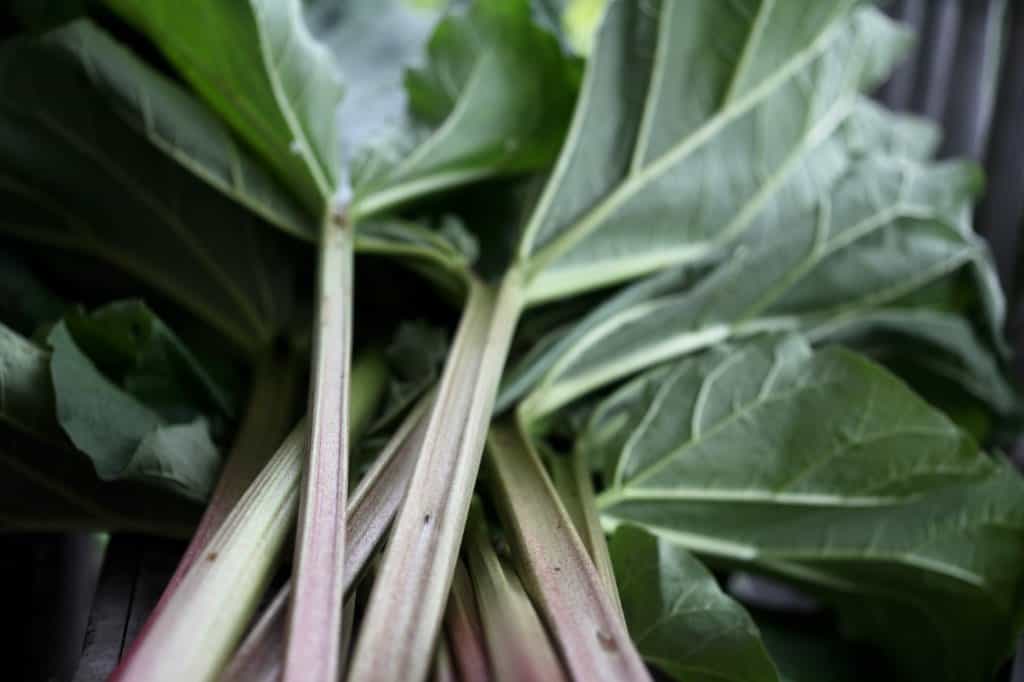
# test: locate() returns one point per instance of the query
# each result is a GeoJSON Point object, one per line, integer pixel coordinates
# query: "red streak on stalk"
{"type": "Point", "coordinates": [465, 634]}
{"type": "Point", "coordinates": [315, 619]}
{"type": "Point", "coordinates": [370, 511]}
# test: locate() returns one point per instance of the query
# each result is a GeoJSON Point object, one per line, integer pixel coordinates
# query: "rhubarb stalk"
{"type": "Point", "coordinates": [572, 478]}
{"type": "Point", "coordinates": [312, 652]}
{"type": "Point", "coordinates": [370, 510]}
{"type": "Point", "coordinates": [517, 644]}
{"type": "Point", "coordinates": [465, 634]}
{"type": "Point", "coordinates": [558, 574]}
{"type": "Point", "coordinates": [216, 596]}
{"type": "Point", "coordinates": [403, 617]}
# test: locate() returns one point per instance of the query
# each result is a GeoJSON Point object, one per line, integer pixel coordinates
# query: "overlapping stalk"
{"type": "Point", "coordinates": [206, 612]}
{"type": "Point", "coordinates": [422, 551]}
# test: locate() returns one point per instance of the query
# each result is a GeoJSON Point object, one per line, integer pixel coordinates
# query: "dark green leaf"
{"type": "Point", "coordinates": [45, 485]}
{"type": "Point", "coordinates": [142, 355]}
{"type": "Point", "coordinates": [809, 654]}
{"type": "Point", "coordinates": [25, 302]}
{"type": "Point", "coordinates": [256, 63]}
{"type": "Point", "coordinates": [825, 469]}
{"type": "Point", "coordinates": [40, 15]}
{"type": "Point", "coordinates": [680, 620]}
{"type": "Point", "coordinates": [123, 436]}
{"type": "Point", "coordinates": [75, 175]}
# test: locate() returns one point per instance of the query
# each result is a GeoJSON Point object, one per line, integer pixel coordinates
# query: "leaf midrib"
{"type": "Point", "coordinates": [566, 239]}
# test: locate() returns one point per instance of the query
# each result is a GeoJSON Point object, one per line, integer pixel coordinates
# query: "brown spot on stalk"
{"type": "Point", "coordinates": [606, 640]}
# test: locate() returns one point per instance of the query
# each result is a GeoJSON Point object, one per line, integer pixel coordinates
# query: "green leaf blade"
{"type": "Point", "coordinates": [681, 621]}
{"type": "Point", "coordinates": [824, 469]}
{"type": "Point", "coordinates": [79, 178]}
{"type": "Point", "coordinates": [259, 67]}
{"type": "Point", "coordinates": [661, 211]}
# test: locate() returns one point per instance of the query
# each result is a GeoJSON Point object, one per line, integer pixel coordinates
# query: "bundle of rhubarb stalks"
{"type": "Point", "coordinates": [506, 339]}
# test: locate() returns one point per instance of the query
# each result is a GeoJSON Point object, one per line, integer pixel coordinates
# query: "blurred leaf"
{"type": "Point", "coordinates": [680, 620]}
{"type": "Point", "coordinates": [79, 178]}
{"type": "Point", "coordinates": [825, 469]}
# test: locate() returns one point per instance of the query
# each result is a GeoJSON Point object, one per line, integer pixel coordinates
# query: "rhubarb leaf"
{"type": "Point", "coordinates": [46, 484]}
{"type": "Point", "coordinates": [886, 227]}
{"type": "Point", "coordinates": [823, 468]}
{"type": "Point", "coordinates": [692, 117]}
{"type": "Point", "coordinates": [79, 178]}
{"type": "Point", "coordinates": [476, 105]}
{"type": "Point", "coordinates": [180, 125]}
{"type": "Point", "coordinates": [257, 65]}
{"type": "Point", "coordinates": [681, 621]}
{"type": "Point", "coordinates": [139, 353]}
{"type": "Point", "coordinates": [125, 437]}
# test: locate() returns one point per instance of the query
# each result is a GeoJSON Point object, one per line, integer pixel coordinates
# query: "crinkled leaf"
{"type": "Point", "coordinates": [443, 256]}
{"type": "Point", "coordinates": [681, 621]}
{"type": "Point", "coordinates": [886, 226]}
{"type": "Point", "coordinates": [26, 401]}
{"type": "Point", "coordinates": [493, 98]}
{"type": "Point", "coordinates": [74, 175]}
{"type": "Point", "coordinates": [45, 484]}
{"type": "Point", "coordinates": [373, 42]}
{"type": "Point", "coordinates": [124, 437]}
{"type": "Point", "coordinates": [180, 457]}
{"type": "Point", "coordinates": [692, 117]}
{"type": "Point", "coordinates": [144, 357]}
{"type": "Point", "coordinates": [825, 469]}
{"type": "Point", "coordinates": [939, 344]}
{"type": "Point", "coordinates": [257, 64]}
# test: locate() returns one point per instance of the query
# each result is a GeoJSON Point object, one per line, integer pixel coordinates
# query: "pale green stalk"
{"type": "Point", "coordinates": [270, 411]}
{"type": "Point", "coordinates": [370, 511]}
{"type": "Point", "coordinates": [581, 615]}
{"type": "Point", "coordinates": [218, 594]}
{"type": "Point", "coordinates": [572, 479]}
{"type": "Point", "coordinates": [518, 646]}
{"type": "Point", "coordinates": [403, 618]}
{"type": "Point", "coordinates": [312, 651]}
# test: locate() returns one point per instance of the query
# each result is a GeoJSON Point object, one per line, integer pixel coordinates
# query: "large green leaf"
{"type": "Point", "coordinates": [173, 120]}
{"type": "Point", "coordinates": [693, 116]}
{"type": "Point", "coordinates": [75, 175]}
{"type": "Point", "coordinates": [493, 98]}
{"type": "Point", "coordinates": [327, 108]}
{"type": "Point", "coordinates": [45, 484]}
{"type": "Point", "coordinates": [256, 63]}
{"type": "Point", "coordinates": [130, 396]}
{"type": "Point", "coordinates": [680, 620]}
{"type": "Point", "coordinates": [825, 469]}
{"type": "Point", "coordinates": [888, 225]}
